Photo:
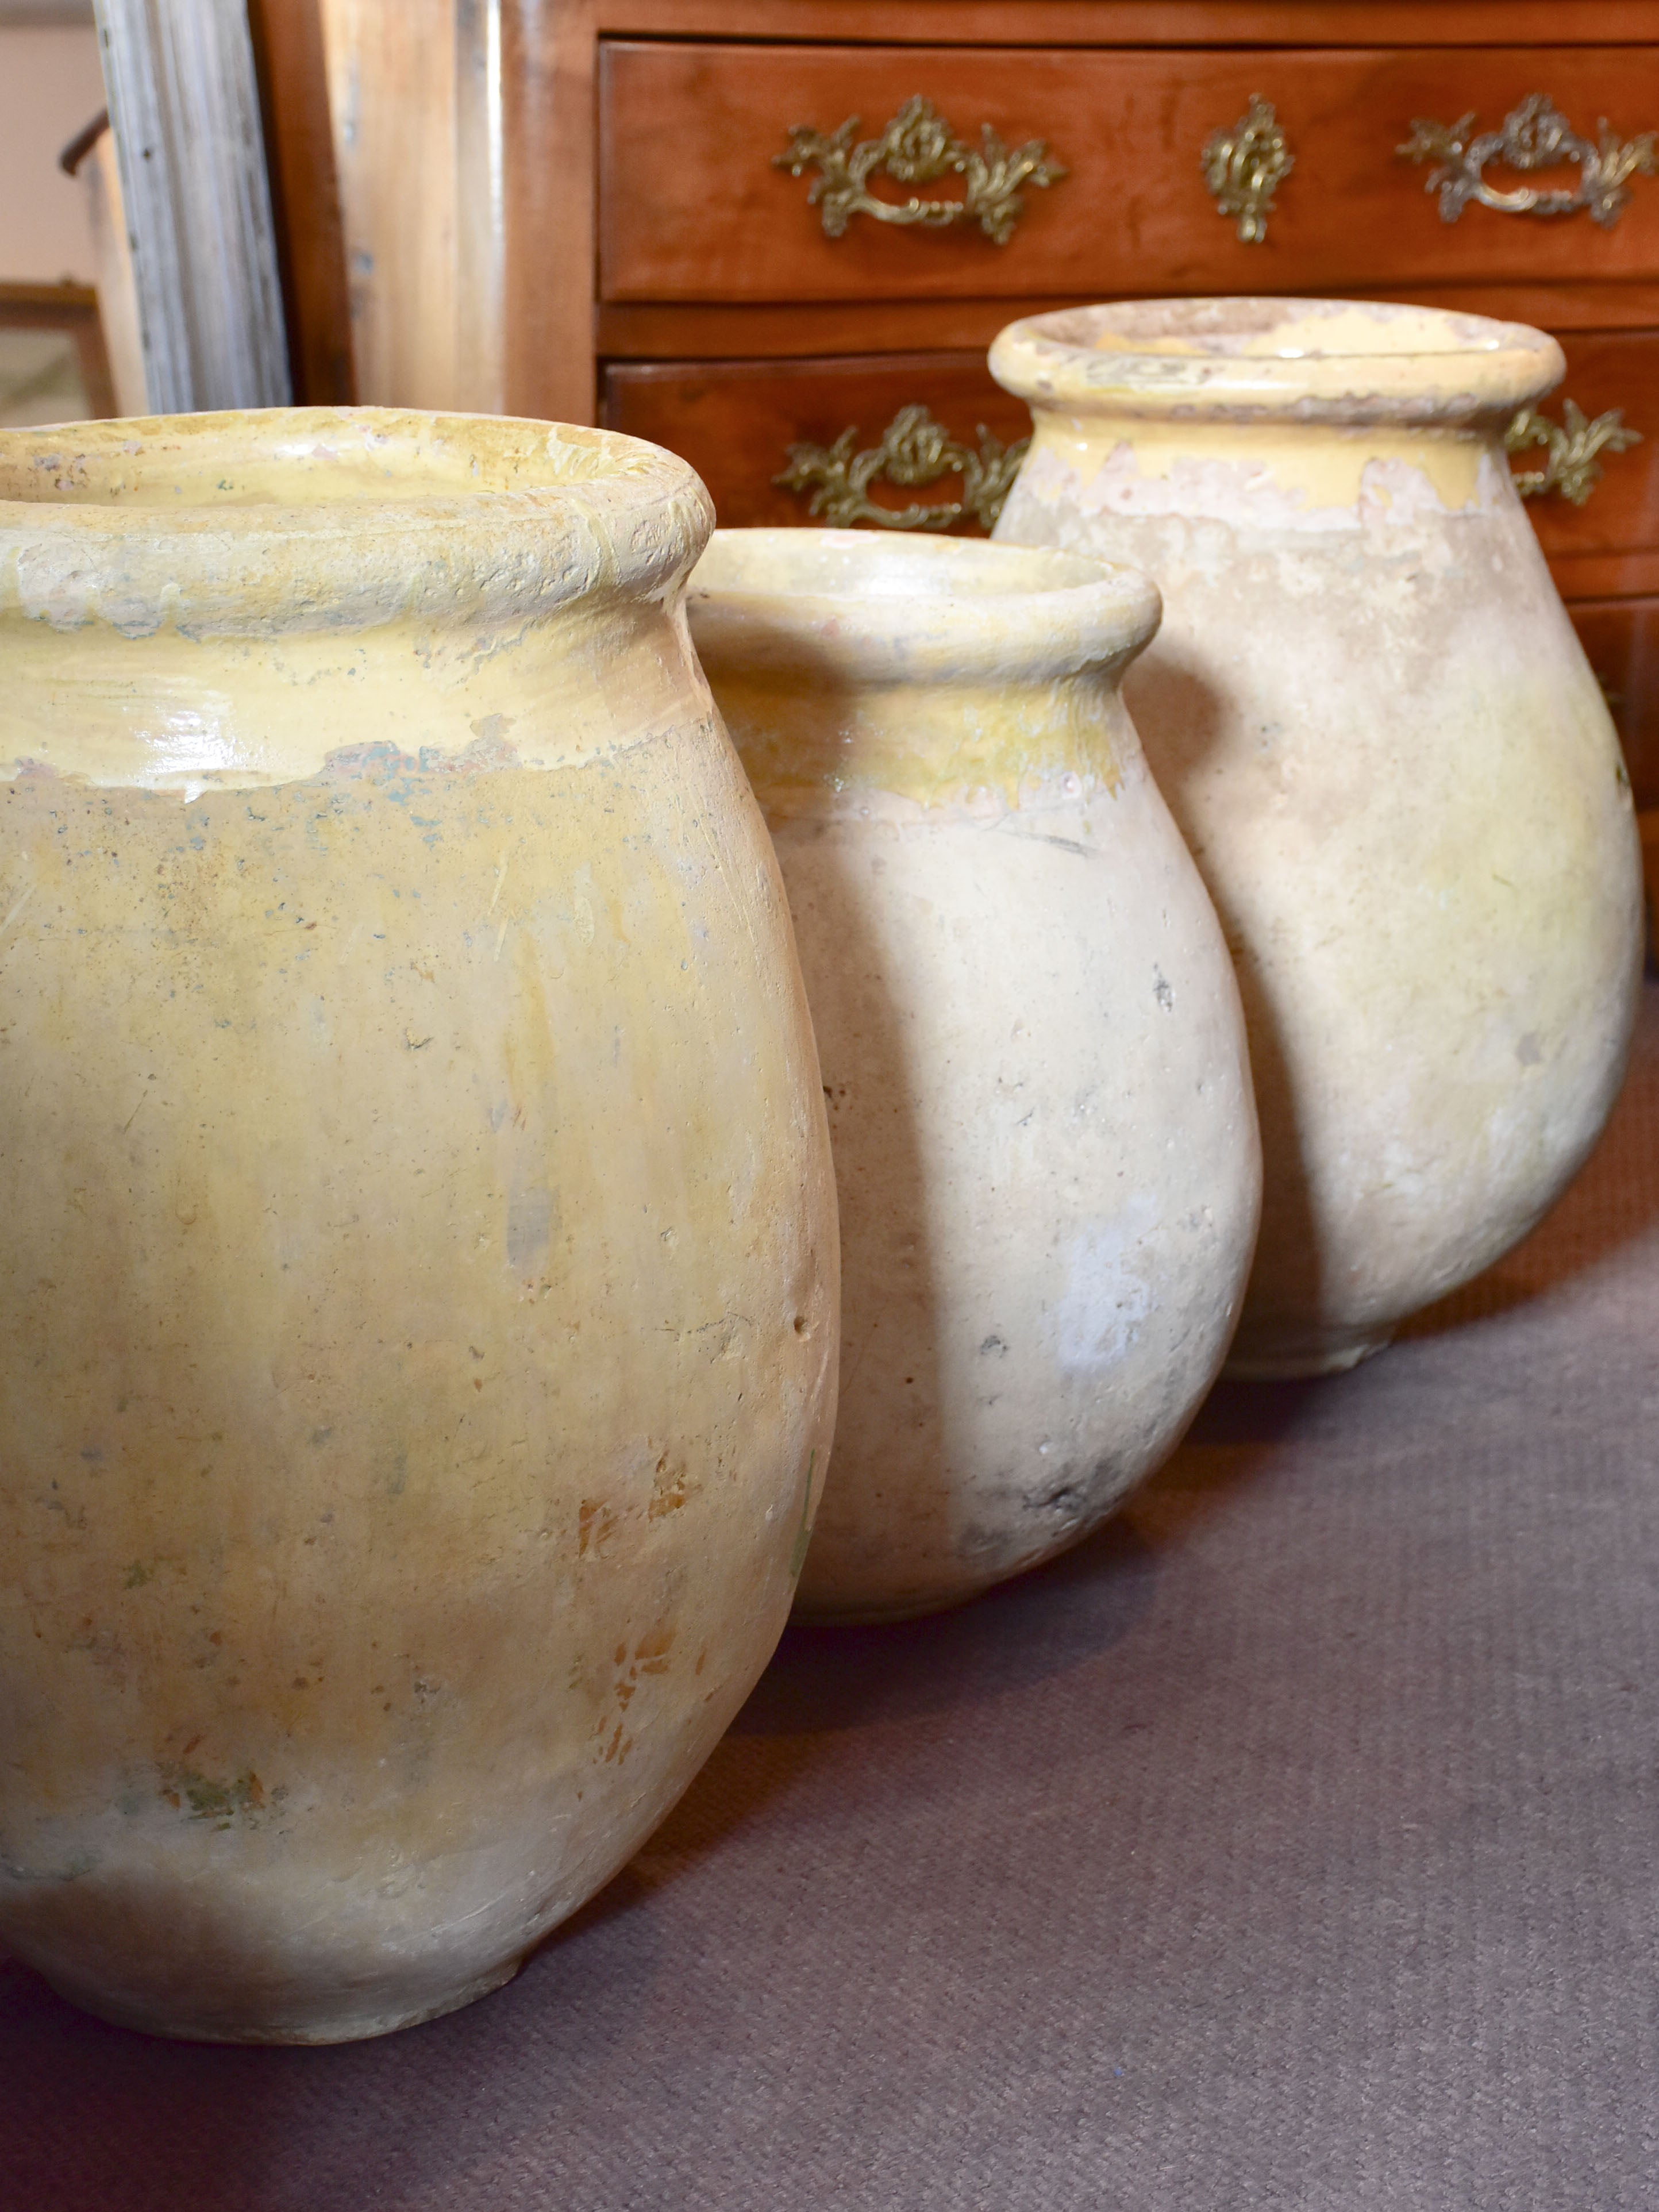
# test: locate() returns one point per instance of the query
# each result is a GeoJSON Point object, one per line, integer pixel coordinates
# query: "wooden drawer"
{"type": "Point", "coordinates": [735, 421]}
{"type": "Point", "coordinates": [1621, 637]}
{"type": "Point", "coordinates": [692, 207]}
{"type": "Point", "coordinates": [1590, 545]}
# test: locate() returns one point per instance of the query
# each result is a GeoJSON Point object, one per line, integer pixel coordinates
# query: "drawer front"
{"type": "Point", "coordinates": [735, 422]}
{"type": "Point", "coordinates": [693, 208]}
{"type": "Point", "coordinates": [1621, 637]}
{"type": "Point", "coordinates": [1601, 495]}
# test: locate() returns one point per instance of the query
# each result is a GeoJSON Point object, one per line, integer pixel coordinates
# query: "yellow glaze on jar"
{"type": "Point", "coordinates": [1371, 718]}
{"type": "Point", "coordinates": [418, 1242]}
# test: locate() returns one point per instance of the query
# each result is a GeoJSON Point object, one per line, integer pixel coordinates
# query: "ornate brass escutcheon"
{"type": "Point", "coordinates": [1244, 166]}
{"type": "Point", "coordinates": [1574, 446]}
{"type": "Point", "coordinates": [918, 147]}
{"type": "Point", "coordinates": [914, 451]}
{"type": "Point", "coordinates": [1535, 136]}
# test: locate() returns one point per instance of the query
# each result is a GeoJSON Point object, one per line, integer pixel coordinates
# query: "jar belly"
{"type": "Point", "coordinates": [1402, 786]}
{"type": "Point", "coordinates": [420, 1269]}
{"type": "Point", "coordinates": [1046, 1161]}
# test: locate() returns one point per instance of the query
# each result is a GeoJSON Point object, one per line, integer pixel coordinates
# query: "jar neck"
{"type": "Point", "coordinates": [167, 711]}
{"type": "Point", "coordinates": [1290, 473]}
{"type": "Point", "coordinates": [981, 748]}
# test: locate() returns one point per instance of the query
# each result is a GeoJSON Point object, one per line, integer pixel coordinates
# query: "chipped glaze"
{"type": "Point", "coordinates": [1045, 1144]}
{"type": "Point", "coordinates": [419, 1246]}
{"type": "Point", "coordinates": [1373, 720]}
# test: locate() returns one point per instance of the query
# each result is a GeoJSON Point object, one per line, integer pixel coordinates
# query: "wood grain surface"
{"type": "Point", "coordinates": [1621, 637]}
{"type": "Point", "coordinates": [692, 207]}
{"type": "Point", "coordinates": [748, 330]}
{"type": "Point", "coordinates": [1127, 22]}
{"type": "Point", "coordinates": [735, 421]}
{"type": "Point", "coordinates": [1606, 370]}
{"type": "Point", "coordinates": [289, 55]}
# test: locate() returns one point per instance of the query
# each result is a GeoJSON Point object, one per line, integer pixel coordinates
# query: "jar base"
{"type": "Point", "coordinates": [347, 2027]}
{"type": "Point", "coordinates": [1329, 1357]}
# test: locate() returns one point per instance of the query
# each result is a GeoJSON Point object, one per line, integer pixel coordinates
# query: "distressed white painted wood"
{"type": "Point", "coordinates": [184, 103]}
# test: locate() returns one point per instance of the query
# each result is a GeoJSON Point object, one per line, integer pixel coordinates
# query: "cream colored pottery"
{"type": "Point", "coordinates": [417, 1243]}
{"type": "Point", "coordinates": [1045, 1143]}
{"type": "Point", "coordinates": [1371, 718]}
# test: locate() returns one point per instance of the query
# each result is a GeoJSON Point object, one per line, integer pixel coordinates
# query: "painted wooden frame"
{"type": "Point", "coordinates": [184, 102]}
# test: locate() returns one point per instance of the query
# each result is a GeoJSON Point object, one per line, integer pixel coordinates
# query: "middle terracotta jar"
{"type": "Point", "coordinates": [1031, 1041]}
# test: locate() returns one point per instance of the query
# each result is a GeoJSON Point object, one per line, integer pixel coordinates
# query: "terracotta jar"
{"type": "Point", "coordinates": [1045, 1145]}
{"type": "Point", "coordinates": [418, 1245]}
{"type": "Point", "coordinates": [1373, 720]}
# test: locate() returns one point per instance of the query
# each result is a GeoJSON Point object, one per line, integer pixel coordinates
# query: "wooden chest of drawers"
{"type": "Point", "coordinates": [666, 269]}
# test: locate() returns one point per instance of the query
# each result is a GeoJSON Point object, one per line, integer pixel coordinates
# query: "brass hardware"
{"type": "Point", "coordinates": [1574, 468]}
{"type": "Point", "coordinates": [914, 450]}
{"type": "Point", "coordinates": [918, 147]}
{"type": "Point", "coordinates": [1535, 136]}
{"type": "Point", "coordinates": [1244, 166]}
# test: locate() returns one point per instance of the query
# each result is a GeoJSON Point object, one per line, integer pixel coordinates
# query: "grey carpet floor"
{"type": "Point", "coordinates": [1293, 1843]}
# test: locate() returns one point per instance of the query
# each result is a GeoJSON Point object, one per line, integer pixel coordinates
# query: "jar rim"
{"type": "Point", "coordinates": [1272, 358]}
{"type": "Point", "coordinates": [914, 606]}
{"type": "Point", "coordinates": [333, 515]}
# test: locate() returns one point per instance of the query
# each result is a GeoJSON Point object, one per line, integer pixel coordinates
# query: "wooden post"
{"type": "Point", "coordinates": [184, 108]}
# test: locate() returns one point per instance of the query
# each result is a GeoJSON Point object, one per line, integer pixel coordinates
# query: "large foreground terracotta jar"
{"type": "Point", "coordinates": [1371, 718]}
{"type": "Point", "coordinates": [1045, 1145]}
{"type": "Point", "coordinates": [417, 1249]}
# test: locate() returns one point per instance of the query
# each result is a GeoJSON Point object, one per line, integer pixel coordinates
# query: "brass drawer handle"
{"type": "Point", "coordinates": [1573, 468]}
{"type": "Point", "coordinates": [1535, 136]}
{"type": "Point", "coordinates": [918, 147]}
{"type": "Point", "coordinates": [914, 450]}
{"type": "Point", "coordinates": [1244, 166]}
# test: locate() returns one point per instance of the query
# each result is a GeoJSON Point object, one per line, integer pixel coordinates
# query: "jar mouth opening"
{"type": "Point", "coordinates": [913, 608]}
{"type": "Point", "coordinates": [872, 571]}
{"type": "Point", "coordinates": [324, 518]}
{"type": "Point", "coordinates": [235, 468]}
{"type": "Point", "coordinates": [1280, 330]}
{"type": "Point", "coordinates": [1334, 359]}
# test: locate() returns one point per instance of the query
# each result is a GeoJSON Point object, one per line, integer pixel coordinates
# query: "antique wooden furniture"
{"type": "Point", "coordinates": [723, 224]}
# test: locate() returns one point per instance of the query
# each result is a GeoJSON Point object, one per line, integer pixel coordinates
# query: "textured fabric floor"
{"type": "Point", "coordinates": [1293, 1844]}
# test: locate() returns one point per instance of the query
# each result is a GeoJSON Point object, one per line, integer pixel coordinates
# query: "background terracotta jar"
{"type": "Point", "coordinates": [1373, 721]}
{"type": "Point", "coordinates": [418, 1245]}
{"type": "Point", "coordinates": [1045, 1145]}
